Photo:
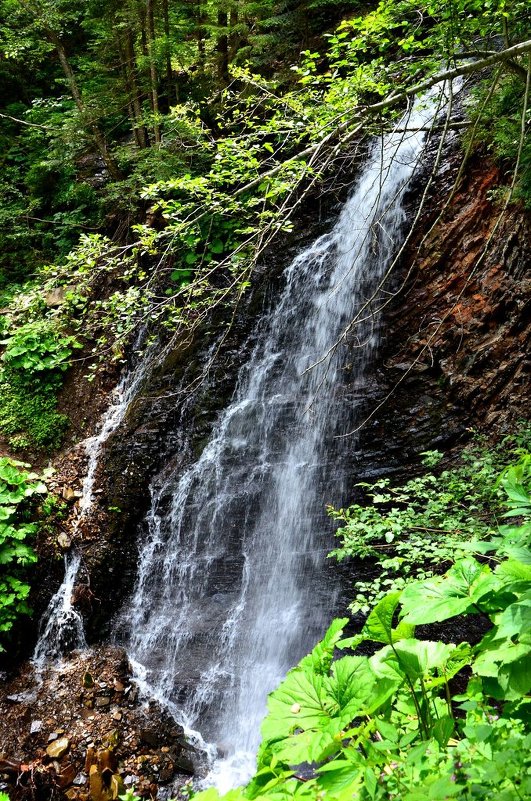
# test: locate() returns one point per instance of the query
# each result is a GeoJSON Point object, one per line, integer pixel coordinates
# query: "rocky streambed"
{"type": "Point", "coordinates": [80, 731]}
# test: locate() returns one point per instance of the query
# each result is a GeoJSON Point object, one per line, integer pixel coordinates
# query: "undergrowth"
{"type": "Point", "coordinates": [33, 361]}
{"type": "Point", "coordinates": [418, 529]}
{"type": "Point", "coordinates": [18, 489]}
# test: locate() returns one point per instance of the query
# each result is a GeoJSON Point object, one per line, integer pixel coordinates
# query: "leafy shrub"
{"type": "Point", "coordinates": [44, 202]}
{"type": "Point", "coordinates": [500, 130]}
{"type": "Point", "coordinates": [37, 347]}
{"type": "Point", "coordinates": [35, 356]}
{"type": "Point", "coordinates": [416, 530]}
{"type": "Point", "coordinates": [30, 417]}
{"type": "Point", "coordinates": [17, 486]}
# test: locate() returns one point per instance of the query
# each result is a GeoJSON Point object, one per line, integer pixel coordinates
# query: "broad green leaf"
{"type": "Point", "coordinates": [379, 625]}
{"type": "Point", "coordinates": [354, 687]}
{"type": "Point", "coordinates": [518, 553]}
{"type": "Point", "coordinates": [320, 658]}
{"type": "Point", "coordinates": [442, 730]}
{"type": "Point", "coordinates": [446, 596]}
{"type": "Point", "coordinates": [307, 746]}
{"type": "Point", "coordinates": [299, 702]}
{"type": "Point", "coordinates": [515, 620]}
{"type": "Point", "coordinates": [418, 657]}
{"type": "Point", "coordinates": [514, 569]}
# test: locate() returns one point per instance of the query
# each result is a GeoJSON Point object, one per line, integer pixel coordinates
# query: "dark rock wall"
{"type": "Point", "coordinates": [452, 358]}
{"type": "Point", "coordinates": [455, 345]}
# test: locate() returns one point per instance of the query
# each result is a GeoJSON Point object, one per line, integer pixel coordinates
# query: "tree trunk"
{"type": "Point", "coordinates": [234, 36]}
{"type": "Point", "coordinates": [129, 92]}
{"type": "Point", "coordinates": [170, 85]}
{"type": "Point", "coordinates": [135, 93]}
{"type": "Point", "coordinates": [150, 37]}
{"type": "Point", "coordinates": [97, 135]}
{"type": "Point", "coordinates": [223, 48]}
{"type": "Point", "coordinates": [200, 37]}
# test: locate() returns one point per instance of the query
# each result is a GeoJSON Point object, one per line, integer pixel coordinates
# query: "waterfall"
{"type": "Point", "coordinates": [233, 586]}
{"type": "Point", "coordinates": [61, 626]}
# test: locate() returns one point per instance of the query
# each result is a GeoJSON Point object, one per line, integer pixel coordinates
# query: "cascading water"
{"type": "Point", "coordinates": [232, 587]}
{"type": "Point", "coordinates": [61, 626]}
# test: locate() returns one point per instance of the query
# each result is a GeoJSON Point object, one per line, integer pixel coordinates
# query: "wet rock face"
{"type": "Point", "coordinates": [82, 734]}
{"type": "Point", "coordinates": [167, 426]}
{"type": "Point", "coordinates": [456, 342]}
{"type": "Point", "coordinates": [451, 358]}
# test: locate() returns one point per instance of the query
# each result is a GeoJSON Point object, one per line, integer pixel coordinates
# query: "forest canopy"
{"type": "Point", "coordinates": [157, 149]}
{"type": "Point", "coordinates": [100, 100]}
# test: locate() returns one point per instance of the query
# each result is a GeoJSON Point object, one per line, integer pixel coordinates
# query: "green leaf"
{"type": "Point", "coordinates": [417, 658]}
{"type": "Point", "coordinates": [180, 274]}
{"type": "Point", "coordinates": [320, 658]}
{"type": "Point", "coordinates": [379, 625]}
{"type": "Point", "coordinates": [514, 569]}
{"type": "Point", "coordinates": [456, 593]}
{"type": "Point", "coordinates": [443, 729]}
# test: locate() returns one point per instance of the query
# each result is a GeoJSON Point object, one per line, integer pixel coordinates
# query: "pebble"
{"type": "Point", "coordinates": [36, 726]}
{"type": "Point", "coordinates": [102, 700]}
{"type": "Point", "coordinates": [64, 541]}
{"type": "Point", "coordinates": [58, 748]}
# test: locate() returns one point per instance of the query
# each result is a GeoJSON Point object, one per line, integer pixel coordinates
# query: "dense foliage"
{"type": "Point", "coordinates": [17, 529]}
{"type": "Point", "coordinates": [152, 151]}
{"type": "Point", "coordinates": [418, 529]}
{"type": "Point", "coordinates": [34, 358]}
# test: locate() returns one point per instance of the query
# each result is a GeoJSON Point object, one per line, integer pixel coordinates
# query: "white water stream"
{"type": "Point", "coordinates": [61, 626]}
{"type": "Point", "coordinates": [233, 586]}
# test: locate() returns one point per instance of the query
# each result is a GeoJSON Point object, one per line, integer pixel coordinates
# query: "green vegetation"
{"type": "Point", "coordinates": [418, 529]}
{"type": "Point", "coordinates": [152, 151]}
{"type": "Point", "coordinates": [34, 358]}
{"type": "Point", "coordinates": [502, 137]}
{"type": "Point", "coordinates": [17, 488]}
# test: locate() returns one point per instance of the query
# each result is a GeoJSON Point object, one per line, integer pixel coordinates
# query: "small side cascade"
{"type": "Point", "coordinates": [61, 627]}
{"type": "Point", "coordinates": [233, 586]}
